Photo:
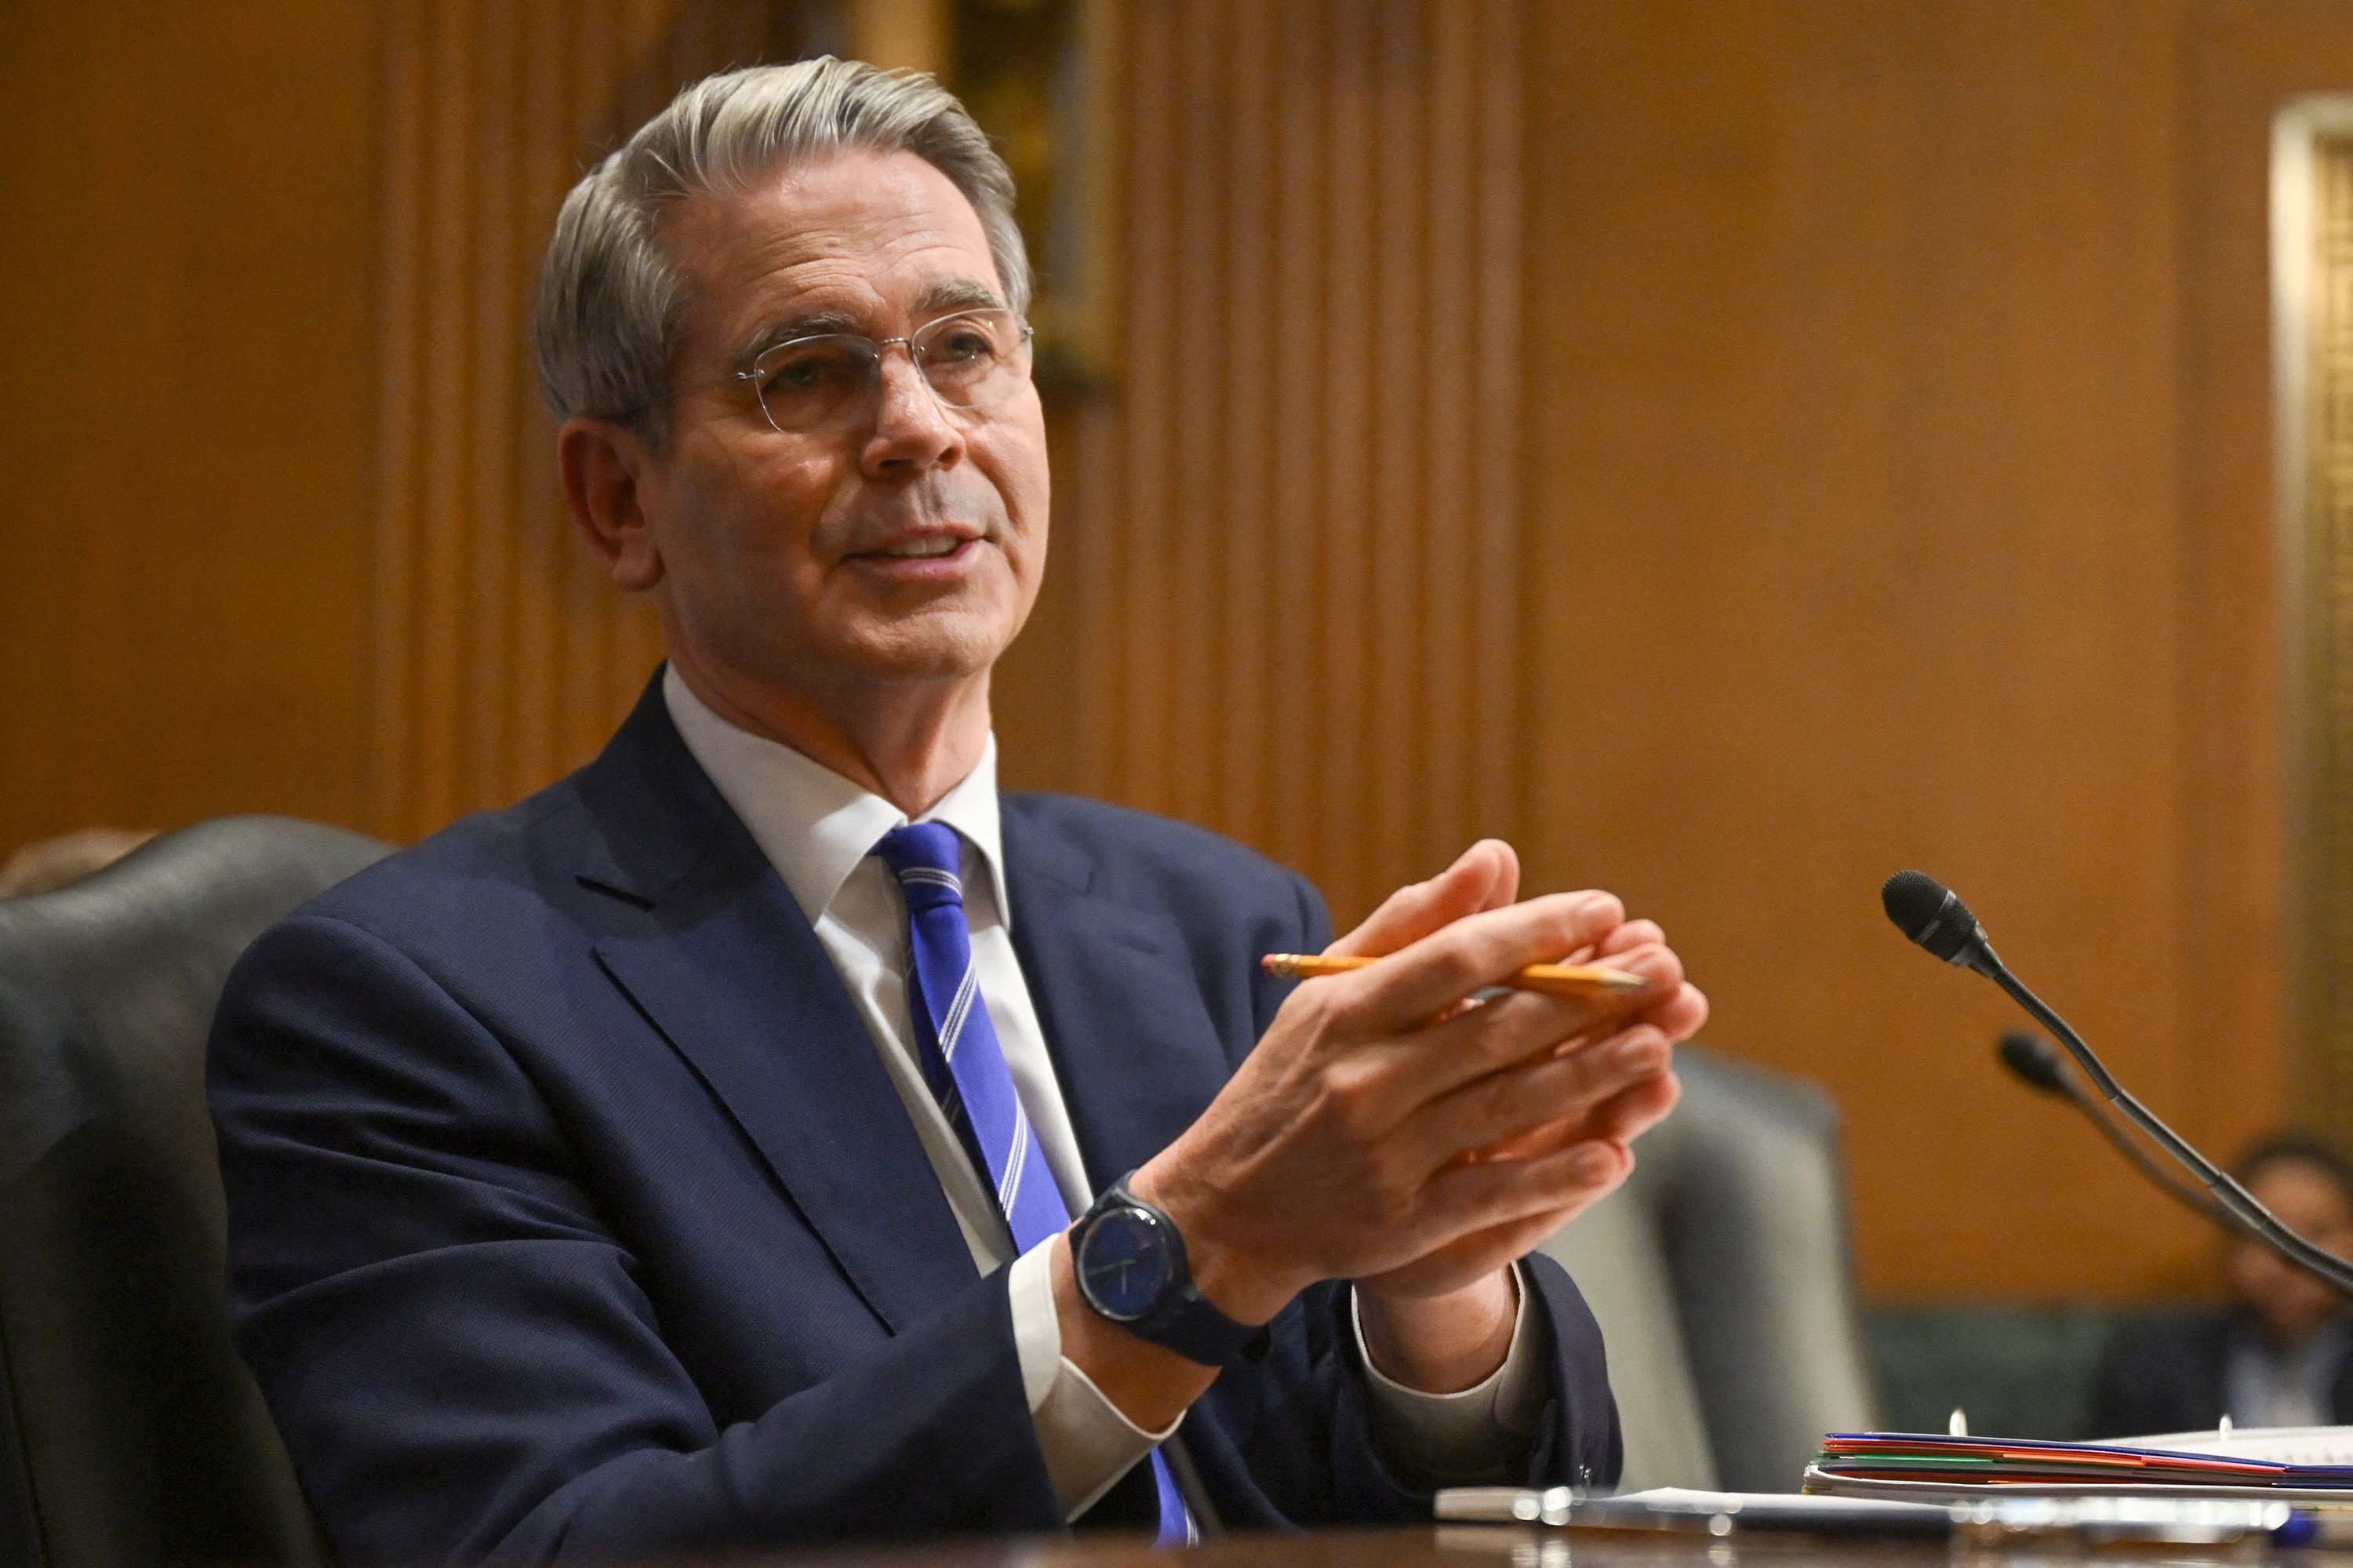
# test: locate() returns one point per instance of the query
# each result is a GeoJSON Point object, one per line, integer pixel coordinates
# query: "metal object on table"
{"type": "Point", "coordinates": [2003, 1521]}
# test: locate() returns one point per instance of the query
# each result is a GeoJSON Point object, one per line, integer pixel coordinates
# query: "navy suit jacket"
{"type": "Point", "coordinates": [572, 1212]}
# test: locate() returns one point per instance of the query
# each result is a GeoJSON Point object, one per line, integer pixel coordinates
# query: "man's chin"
{"type": "Point", "coordinates": [928, 650]}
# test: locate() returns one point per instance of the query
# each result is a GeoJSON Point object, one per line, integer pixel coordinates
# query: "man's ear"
{"type": "Point", "coordinates": [602, 465]}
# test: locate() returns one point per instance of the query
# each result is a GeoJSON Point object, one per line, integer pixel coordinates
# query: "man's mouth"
{"type": "Point", "coordinates": [920, 547]}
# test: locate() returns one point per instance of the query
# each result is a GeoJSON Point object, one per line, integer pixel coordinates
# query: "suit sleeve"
{"type": "Point", "coordinates": [455, 1342]}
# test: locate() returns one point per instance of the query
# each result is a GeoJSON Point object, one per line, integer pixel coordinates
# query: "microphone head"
{"type": "Point", "coordinates": [1926, 911]}
{"type": "Point", "coordinates": [2033, 1061]}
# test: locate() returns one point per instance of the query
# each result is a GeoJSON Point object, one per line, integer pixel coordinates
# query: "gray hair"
{"type": "Point", "coordinates": [612, 307]}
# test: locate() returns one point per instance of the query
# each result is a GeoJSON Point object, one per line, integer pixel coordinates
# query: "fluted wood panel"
{"type": "Point", "coordinates": [1290, 543]}
{"type": "Point", "coordinates": [502, 655]}
{"type": "Point", "coordinates": [186, 314]}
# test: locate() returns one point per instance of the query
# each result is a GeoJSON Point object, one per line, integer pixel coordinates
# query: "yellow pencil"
{"type": "Point", "coordinates": [1555, 980]}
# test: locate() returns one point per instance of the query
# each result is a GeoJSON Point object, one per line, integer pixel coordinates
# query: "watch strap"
{"type": "Point", "coordinates": [1181, 1319]}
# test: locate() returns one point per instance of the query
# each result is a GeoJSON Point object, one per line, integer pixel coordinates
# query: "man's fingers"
{"type": "Point", "coordinates": [1655, 962]}
{"type": "Point", "coordinates": [1504, 886]}
{"type": "Point", "coordinates": [1476, 950]}
{"type": "Point", "coordinates": [1504, 1106]}
{"type": "Point", "coordinates": [1673, 1004]}
{"type": "Point", "coordinates": [1635, 1110]}
{"type": "Point", "coordinates": [1395, 1078]}
{"type": "Point", "coordinates": [1681, 1012]}
{"type": "Point", "coordinates": [1631, 935]}
{"type": "Point", "coordinates": [1620, 1119]}
{"type": "Point", "coordinates": [1484, 877]}
{"type": "Point", "coordinates": [1404, 1073]}
{"type": "Point", "coordinates": [1463, 1044]}
{"type": "Point", "coordinates": [1546, 1139]}
{"type": "Point", "coordinates": [1569, 1180]}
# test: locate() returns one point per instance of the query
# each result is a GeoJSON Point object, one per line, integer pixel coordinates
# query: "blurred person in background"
{"type": "Point", "coordinates": [2275, 1355]}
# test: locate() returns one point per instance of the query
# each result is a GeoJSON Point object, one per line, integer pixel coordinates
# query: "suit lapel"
{"type": "Point", "coordinates": [1134, 1050]}
{"type": "Point", "coordinates": [726, 968]}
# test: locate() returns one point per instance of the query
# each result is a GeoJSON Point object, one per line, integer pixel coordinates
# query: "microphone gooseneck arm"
{"type": "Point", "coordinates": [1972, 950]}
{"type": "Point", "coordinates": [2063, 1085]}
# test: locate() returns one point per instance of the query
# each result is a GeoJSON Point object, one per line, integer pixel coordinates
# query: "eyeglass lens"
{"type": "Point", "coordinates": [971, 360]}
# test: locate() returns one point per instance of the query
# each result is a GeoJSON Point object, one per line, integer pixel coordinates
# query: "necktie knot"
{"type": "Point", "coordinates": [927, 858]}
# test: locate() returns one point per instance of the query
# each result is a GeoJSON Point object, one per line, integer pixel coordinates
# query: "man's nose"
{"type": "Point", "coordinates": [912, 429]}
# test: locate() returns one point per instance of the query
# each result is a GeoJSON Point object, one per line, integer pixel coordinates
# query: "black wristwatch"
{"type": "Point", "coordinates": [1130, 1261]}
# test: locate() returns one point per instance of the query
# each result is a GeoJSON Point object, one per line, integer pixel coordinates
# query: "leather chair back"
{"type": "Point", "coordinates": [1723, 1279]}
{"type": "Point", "coordinates": [130, 1431]}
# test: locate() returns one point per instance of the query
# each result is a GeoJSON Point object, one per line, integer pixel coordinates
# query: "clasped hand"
{"type": "Point", "coordinates": [1388, 1131]}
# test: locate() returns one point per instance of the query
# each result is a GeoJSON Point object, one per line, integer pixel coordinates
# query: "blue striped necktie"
{"type": "Point", "coordinates": [957, 1046]}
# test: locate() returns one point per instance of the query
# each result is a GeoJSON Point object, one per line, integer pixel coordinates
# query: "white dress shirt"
{"type": "Point", "coordinates": [819, 830]}
{"type": "Point", "coordinates": [2268, 1387]}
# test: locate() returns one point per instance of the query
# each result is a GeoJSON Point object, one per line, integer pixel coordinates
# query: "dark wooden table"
{"type": "Point", "coordinates": [1515, 1546]}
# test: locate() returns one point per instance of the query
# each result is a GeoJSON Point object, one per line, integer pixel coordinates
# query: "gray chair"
{"type": "Point", "coordinates": [130, 1431]}
{"type": "Point", "coordinates": [1722, 1279]}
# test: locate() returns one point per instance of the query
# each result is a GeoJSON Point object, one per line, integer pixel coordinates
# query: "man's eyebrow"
{"type": "Point", "coordinates": [807, 323]}
{"type": "Point", "coordinates": [957, 294]}
{"type": "Point", "coordinates": [939, 299]}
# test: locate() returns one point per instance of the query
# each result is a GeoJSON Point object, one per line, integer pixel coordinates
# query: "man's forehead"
{"type": "Point", "coordinates": [856, 232]}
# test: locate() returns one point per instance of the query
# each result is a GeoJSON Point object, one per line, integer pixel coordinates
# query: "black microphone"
{"type": "Point", "coordinates": [1926, 911]}
{"type": "Point", "coordinates": [2036, 1063]}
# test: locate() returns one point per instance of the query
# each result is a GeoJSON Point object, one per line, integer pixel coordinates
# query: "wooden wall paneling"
{"type": "Point", "coordinates": [545, 554]}
{"type": "Point", "coordinates": [393, 594]}
{"type": "Point", "coordinates": [1297, 672]}
{"type": "Point", "coordinates": [1274, 541]}
{"type": "Point", "coordinates": [1255, 577]}
{"type": "Point", "coordinates": [1068, 659]}
{"type": "Point", "coordinates": [501, 656]}
{"type": "Point", "coordinates": [1855, 399]}
{"type": "Point", "coordinates": [1345, 850]}
{"type": "Point", "coordinates": [1445, 690]}
{"type": "Point", "coordinates": [913, 34]}
{"type": "Point", "coordinates": [186, 295]}
{"type": "Point", "coordinates": [504, 256]}
{"type": "Point", "coordinates": [1397, 349]}
{"type": "Point", "coordinates": [1497, 633]}
{"type": "Point", "coordinates": [608, 41]}
{"type": "Point", "coordinates": [1200, 514]}
{"type": "Point", "coordinates": [1139, 709]}
{"type": "Point", "coordinates": [458, 440]}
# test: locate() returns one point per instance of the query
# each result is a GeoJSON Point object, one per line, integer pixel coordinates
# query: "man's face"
{"type": "Point", "coordinates": [813, 559]}
{"type": "Point", "coordinates": [2288, 1302]}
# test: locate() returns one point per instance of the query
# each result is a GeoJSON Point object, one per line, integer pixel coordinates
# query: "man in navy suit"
{"type": "Point", "coordinates": [723, 1148]}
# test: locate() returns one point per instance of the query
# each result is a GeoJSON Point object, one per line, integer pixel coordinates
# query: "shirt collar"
{"type": "Point", "coordinates": [813, 824]}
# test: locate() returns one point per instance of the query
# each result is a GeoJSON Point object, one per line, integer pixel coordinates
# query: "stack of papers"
{"type": "Point", "coordinates": [2291, 1464]}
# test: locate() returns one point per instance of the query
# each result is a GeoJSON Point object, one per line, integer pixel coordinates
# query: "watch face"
{"type": "Point", "coordinates": [1125, 1264]}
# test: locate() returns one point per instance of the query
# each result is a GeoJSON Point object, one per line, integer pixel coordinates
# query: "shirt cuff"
{"type": "Point", "coordinates": [1470, 1435]}
{"type": "Point", "coordinates": [1088, 1443]}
